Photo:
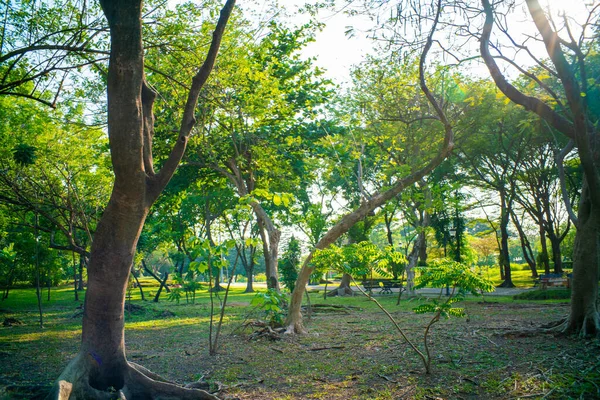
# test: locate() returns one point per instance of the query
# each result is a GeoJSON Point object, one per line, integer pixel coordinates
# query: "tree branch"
{"type": "Point", "coordinates": [188, 121]}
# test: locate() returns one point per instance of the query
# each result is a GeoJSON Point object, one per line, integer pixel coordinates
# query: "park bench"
{"type": "Point", "coordinates": [385, 285]}
{"type": "Point", "coordinates": [553, 280]}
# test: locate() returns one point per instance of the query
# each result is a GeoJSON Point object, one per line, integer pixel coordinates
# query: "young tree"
{"type": "Point", "coordinates": [101, 363]}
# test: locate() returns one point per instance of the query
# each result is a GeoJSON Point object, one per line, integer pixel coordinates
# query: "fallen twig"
{"type": "Point", "coordinates": [326, 348]}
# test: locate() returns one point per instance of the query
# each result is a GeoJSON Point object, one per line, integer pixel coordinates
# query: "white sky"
{"type": "Point", "coordinates": [337, 53]}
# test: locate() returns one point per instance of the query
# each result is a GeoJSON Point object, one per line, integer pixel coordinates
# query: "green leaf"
{"type": "Point", "coordinates": [277, 200]}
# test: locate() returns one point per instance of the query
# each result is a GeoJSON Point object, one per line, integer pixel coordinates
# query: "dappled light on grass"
{"type": "Point", "coordinates": [45, 335]}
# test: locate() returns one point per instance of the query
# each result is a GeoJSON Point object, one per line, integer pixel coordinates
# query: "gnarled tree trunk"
{"type": "Point", "coordinates": [584, 318]}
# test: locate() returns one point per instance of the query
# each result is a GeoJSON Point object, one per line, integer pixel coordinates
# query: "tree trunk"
{"type": "Point", "coordinates": [249, 284]}
{"type": "Point", "coordinates": [101, 363]}
{"type": "Point", "coordinates": [270, 238]}
{"type": "Point", "coordinates": [81, 264]}
{"type": "Point", "coordinates": [504, 255]}
{"type": "Point", "coordinates": [525, 246]}
{"type": "Point", "coordinates": [152, 274]}
{"type": "Point", "coordinates": [413, 259]}
{"type": "Point", "coordinates": [294, 318]}
{"type": "Point", "coordinates": [344, 288]}
{"type": "Point", "coordinates": [584, 318]}
{"type": "Point", "coordinates": [137, 281]}
{"type": "Point", "coordinates": [544, 253]}
{"type": "Point", "coordinates": [163, 284]}
{"type": "Point", "coordinates": [556, 253]}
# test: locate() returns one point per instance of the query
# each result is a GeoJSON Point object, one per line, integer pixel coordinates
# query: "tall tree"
{"type": "Point", "coordinates": [294, 318]}
{"type": "Point", "coordinates": [569, 113]}
{"type": "Point", "coordinates": [266, 99]}
{"type": "Point", "coordinates": [101, 362]}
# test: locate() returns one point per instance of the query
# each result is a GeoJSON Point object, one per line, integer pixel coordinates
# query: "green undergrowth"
{"type": "Point", "coordinates": [548, 294]}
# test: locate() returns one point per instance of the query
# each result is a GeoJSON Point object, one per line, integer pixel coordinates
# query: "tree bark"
{"type": "Point", "coordinates": [504, 255]}
{"type": "Point", "coordinates": [584, 318]}
{"type": "Point", "coordinates": [160, 281]}
{"type": "Point", "coordinates": [81, 265]}
{"type": "Point", "coordinates": [556, 253]}
{"type": "Point", "coordinates": [525, 246]}
{"type": "Point", "coordinates": [270, 238]}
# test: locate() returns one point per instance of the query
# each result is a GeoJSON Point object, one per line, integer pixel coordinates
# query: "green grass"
{"type": "Point", "coordinates": [172, 339]}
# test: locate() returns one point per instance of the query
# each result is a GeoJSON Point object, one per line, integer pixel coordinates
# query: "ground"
{"type": "Point", "coordinates": [348, 354]}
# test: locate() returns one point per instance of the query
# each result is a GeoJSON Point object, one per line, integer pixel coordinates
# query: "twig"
{"type": "Point", "coordinates": [387, 378]}
{"type": "Point", "coordinates": [326, 348]}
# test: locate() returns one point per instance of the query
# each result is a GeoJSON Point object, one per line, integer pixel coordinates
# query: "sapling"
{"type": "Point", "coordinates": [207, 256]}
{"type": "Point", "coordinates": [462, 280]}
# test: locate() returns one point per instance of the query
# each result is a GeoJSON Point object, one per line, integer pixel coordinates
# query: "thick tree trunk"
{"type": "Point", "coordinates": [101, 366]}
{"type": "Point", "coordinates": [111, 258]}
{"type": "Point", "coordinates": [344, 288]}
{"type": "Point", "coordinates": [249, 284]}
{"type": "Point", "coordinates": [584, 318]}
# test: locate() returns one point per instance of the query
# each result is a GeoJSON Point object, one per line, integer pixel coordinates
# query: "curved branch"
{"type": "Point", "coordinates": [560, 157]}
{"type": "Point", "coordinates": [529, 103]}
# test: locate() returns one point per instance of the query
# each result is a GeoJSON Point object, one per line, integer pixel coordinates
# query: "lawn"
{"type": "Point", "coordinates": [349, 353]}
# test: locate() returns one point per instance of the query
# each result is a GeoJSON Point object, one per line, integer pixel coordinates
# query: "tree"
{"type": "Point", "coordinates": [494, 156]}
{"type": "Point", "coordinates": [290, 261]}
{"type": "Point", "coordinates": [570, 114]}
{"type": "Point", "coordinates": [101, 362]}
{"type": "Point", "coordinates": [294, 319]}
{"type": "Point", "coordinates": [267, 99]}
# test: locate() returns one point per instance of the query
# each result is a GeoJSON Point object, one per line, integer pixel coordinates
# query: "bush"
{"type": "Point", "coordinates": [549, 294]}
{"type": "Point", "coordinates": [288, 266]}
{"type": "Point", "coordinates": [520, 267]}
{"type": "Point", "coordinates": [260, 278]}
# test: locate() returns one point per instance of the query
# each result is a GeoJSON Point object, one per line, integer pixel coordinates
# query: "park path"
{"type": "Point", "coordinates": [433, 291]}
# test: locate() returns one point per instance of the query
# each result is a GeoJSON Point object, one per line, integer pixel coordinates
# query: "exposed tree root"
{"type": "Point", "coordinates": [330, 308]}
{"type": "Point", "coordinates": [589, 327]}
{"type": "Point", "coordinates": [266, 331]}
{"type": "Point", "coordinates": [295, 328]}
{"type": "Point", "coordinates": [139, 383]}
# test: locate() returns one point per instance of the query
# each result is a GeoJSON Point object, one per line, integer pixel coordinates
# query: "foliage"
{"type": "Point", "coordinates": [273, 304]}
{"type": "Point", "coordinates": [552, 294]}
{"type": "Point", "coordinates": [359, 260]}
{"type": "Point", "coordinates": [288, 265]}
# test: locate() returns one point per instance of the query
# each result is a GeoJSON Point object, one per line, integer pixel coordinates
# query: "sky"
{"type": "Point", "coordinates": [337, 53]}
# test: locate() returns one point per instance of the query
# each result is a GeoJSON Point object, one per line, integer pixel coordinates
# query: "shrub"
{"type": "Point", "coordinates": [552, 294]}
{"type": "Point", "coordinates": [288, 266]}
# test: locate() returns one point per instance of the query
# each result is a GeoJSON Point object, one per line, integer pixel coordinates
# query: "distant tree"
{"type": "Point", "coordinates": [290, 261]}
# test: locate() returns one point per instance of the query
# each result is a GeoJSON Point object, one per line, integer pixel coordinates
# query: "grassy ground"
{"type": "Point", "coordinates": [350, 354]}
